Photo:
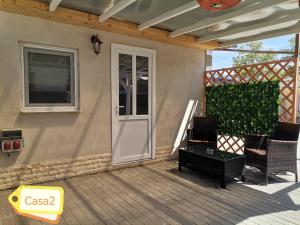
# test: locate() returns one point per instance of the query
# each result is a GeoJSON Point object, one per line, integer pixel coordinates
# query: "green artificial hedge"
{"type": "Point", "coordinates": [241, 109]}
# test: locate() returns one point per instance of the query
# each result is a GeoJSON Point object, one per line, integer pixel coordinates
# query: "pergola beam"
{"type": "Point", "coordinates": [297, 43]}
{"type": "Point", "coordinates": [291, 16]}
{"type": "Point", "coordinates": [170, 14]}
{"type": "Point", "coordinates": [87, 20]}
{"type": "Point", "coordinates": [274, 33]}
{"type": "Point", "coordinates": [227, 16]}
{"type": "Point", "coordinates": [54, 4]}
{"type": "Point", "coordinates": [115, 9]}
{"type": "Point", "coordinates": [255, 51]}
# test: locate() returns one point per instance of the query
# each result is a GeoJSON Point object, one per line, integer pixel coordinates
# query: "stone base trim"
{"type": "Point", "coordinates": [60, 169]}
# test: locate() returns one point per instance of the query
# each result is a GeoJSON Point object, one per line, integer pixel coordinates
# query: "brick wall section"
{"type": "Point", "coordinates": [54, 170]}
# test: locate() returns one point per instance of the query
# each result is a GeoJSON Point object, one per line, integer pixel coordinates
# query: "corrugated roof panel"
{"type": "Point", "coordinates": [143, 10]}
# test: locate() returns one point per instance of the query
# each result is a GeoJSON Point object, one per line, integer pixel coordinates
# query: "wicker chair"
{"type": "Point", "coordinates": [204, 131]}
{"type": "Point", "coordinates": [274, 154]}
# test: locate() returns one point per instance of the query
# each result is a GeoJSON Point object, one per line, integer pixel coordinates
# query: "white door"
{"type": "Point", "coordinates": [133, 78]}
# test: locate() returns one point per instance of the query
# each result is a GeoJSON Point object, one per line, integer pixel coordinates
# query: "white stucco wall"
{"type": "Point", "coordinates": [50, 136]}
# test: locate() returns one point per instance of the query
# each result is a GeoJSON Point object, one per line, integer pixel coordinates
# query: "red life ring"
{"type": "Point", "coordinates": [217, 5]}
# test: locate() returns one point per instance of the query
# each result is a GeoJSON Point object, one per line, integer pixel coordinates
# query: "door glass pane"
{"type": "Point", "coordinates": [125, 84]}
{"type": "Point", "coordinates": [142, 77]}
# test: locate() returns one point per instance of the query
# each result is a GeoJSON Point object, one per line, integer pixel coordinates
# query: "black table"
{"type": "Point", "coordinates": [224, 165]}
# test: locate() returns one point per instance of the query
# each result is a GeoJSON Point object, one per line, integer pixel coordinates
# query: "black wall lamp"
{"type": "Point", "coordinates": [96, 43]}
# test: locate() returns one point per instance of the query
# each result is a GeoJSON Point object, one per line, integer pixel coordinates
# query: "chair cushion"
{"type": "Point", "coordinates": [200, 141]}
{"type": "Point", "coordinates": [259, 152]}
{"type": "Point", "coordinates": [256, 157]}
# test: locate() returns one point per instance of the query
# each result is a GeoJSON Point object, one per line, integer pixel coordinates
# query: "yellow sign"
{"type": "Point", "coordinates": [39, 202]}
{"type": "Point", "coordinates": [49, 218]}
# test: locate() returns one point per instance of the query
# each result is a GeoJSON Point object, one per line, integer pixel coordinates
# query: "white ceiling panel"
{"type": "Point", "coordinates": [162, 14]}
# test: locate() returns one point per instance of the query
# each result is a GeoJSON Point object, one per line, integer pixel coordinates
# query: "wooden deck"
{"type": "Point", "coordinates": [158, 194]}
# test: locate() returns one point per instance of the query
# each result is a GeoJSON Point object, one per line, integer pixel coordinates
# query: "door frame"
{"type": "Point", "coordinates": [114, 51]}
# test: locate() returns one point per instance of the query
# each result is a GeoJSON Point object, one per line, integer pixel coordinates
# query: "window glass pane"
{"type": "Point", "coordinates": [49, 77]}
{"type": "Point", "coordinates": [142, 75]}
{"type": "Point", "coordinates": [125, 84]}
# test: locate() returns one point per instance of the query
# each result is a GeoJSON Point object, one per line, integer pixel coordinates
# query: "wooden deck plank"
{"type": "Point", "coordinates": [74, 214]}
{"type": "Point", "coordinates": [265, 205]}
{"type": "Point", "coordinates": [227, 203]}
{"type": "Point", "coordinates": [153, 201]}
{"type": "Point", "coordinates": [211, 205]}
{"type": "Point", "coordinates": [141, 203]}
{"type": "Point", "coordinates": [180, 200]}
{"type": "Point", "coordinates": [8, 216]}
{"type": "Point", "coordinates": [200, 201]}
{"type": "Point", "coordinates": [114, 203]}
{"type": "Point", "coordinates": [231, 194]}
{"type": "Point", "coordinates": [77, 201]}
{"type": "Point", "coordinates": [178, 206]}
{"type": "Point", "coordinates": [96, 203]}
{"type": "Point", "coordinates": [159, 194]}
{"type": "Point", "coordinates": [270, 203]}
{"type": "Point", "coordinates": [129, 206]}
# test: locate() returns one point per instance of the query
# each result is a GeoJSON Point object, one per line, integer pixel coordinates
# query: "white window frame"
{"type": "Point", "coordinates": [51, 108]}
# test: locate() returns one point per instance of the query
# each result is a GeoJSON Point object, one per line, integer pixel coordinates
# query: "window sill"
{"type": "Point", "coordinates": [49, 109]}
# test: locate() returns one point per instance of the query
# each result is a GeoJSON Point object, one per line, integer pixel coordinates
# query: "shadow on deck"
{"type": "Point", "coordinates": [158, 194]}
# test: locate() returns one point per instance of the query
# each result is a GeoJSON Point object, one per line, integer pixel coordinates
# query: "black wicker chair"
{"type": "Point", "coordinates": [203, 131]}
{"type": "Point", "coordinates": [274, 154]}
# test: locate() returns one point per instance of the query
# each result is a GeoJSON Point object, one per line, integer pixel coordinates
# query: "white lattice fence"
{"type": "Point", "coordinates": [282, 70]}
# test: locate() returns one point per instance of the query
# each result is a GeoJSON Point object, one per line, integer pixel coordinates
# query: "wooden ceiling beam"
{"type": "Point", "coordinates": [77, 18]}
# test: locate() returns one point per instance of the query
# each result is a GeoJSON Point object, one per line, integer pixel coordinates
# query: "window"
{"type": "Point", "coordinates": [50, 79]}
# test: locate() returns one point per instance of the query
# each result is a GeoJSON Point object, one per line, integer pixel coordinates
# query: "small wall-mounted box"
{"type": "Point", "coordinates": [11, 140]}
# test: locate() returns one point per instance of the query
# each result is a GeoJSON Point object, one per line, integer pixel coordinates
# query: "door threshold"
{"type": "Point", "coordinates": [132, 162]}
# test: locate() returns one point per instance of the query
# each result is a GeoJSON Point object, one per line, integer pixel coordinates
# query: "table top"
{"type": "Point", "coordinates": [211, 152]}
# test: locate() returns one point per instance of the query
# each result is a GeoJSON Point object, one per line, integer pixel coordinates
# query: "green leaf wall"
{"type": "Point", "coordinates": [250, 108]}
